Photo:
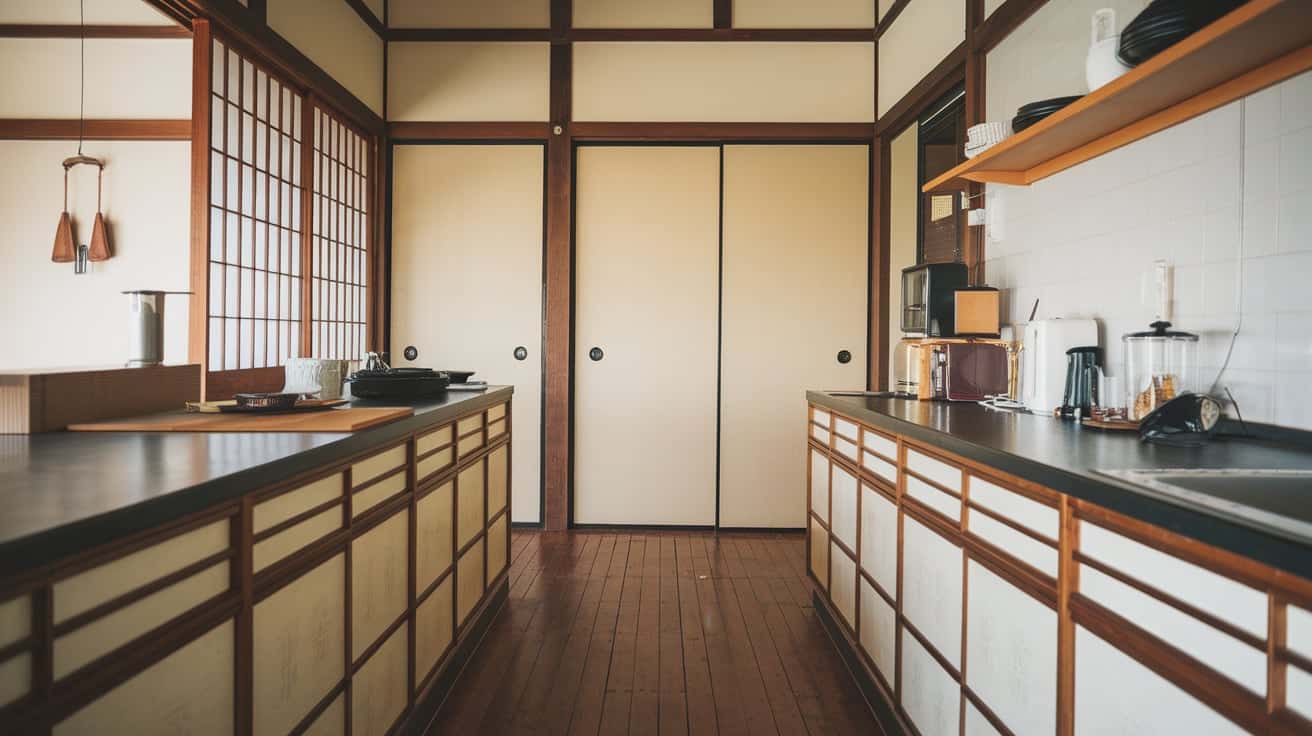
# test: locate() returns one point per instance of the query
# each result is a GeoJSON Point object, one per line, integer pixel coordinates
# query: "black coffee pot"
{"type": "Point", "coordinates": [1081, 382]}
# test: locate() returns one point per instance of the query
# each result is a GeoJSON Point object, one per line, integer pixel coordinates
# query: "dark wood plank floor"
{"type": "Point", "coordinates": [656, 633]}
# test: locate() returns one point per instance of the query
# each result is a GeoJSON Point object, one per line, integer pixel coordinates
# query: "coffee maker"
{"type": "Point", "coordinates": [928, 310]}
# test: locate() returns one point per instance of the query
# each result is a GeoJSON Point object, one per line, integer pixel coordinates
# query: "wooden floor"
{"type": "Point", "coordinates": [656, 633]}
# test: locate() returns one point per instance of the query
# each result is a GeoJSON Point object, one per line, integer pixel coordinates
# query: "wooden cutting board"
{"type": "Point", "coordinates": [351, 419]}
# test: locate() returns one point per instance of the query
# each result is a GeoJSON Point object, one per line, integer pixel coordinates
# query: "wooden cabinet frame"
{"type": "Point", "coordinates": [1061, 594]}
{"type": "Point", "coordinates": [50, 702]}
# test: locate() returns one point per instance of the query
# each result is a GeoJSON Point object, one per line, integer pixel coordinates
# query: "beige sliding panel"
{"type": "Point", "coordinates": [467, 278]}
{"type": "Point", "coordinates": [469, 13]}
{"type": "Point", "coordinates": [724, 82]}
{"type": "Point", "coordinates": [796, 236]}
{"type": "Point", "coordinates": [644, 14]}
{"type": "Point", "coordinates": [809, 14]}
{"type": "Point", "coordinates": [646, 292]}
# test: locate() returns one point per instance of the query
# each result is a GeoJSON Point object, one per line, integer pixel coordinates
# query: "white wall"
{"type": "Point", "coordinates": [51, 317]}
{"type": "Point", "coordinates": [1233, 181]}
{"type": "Point", "coordinates": [48, 315]}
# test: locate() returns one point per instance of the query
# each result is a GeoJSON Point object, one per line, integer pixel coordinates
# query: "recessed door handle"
{"type": "Point", "coordinates": [844, 357]}
{"type": "Point", "coordinates": [521, 353]}
{"type": "Point", "coordinates": [596, 354]}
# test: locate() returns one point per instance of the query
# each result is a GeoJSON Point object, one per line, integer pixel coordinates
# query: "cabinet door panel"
{"type": "Point", "coordinates": [842, 584]}
{"type": "Point", "coordinates": [1298, 691]}
{"type": "Point", "coordinates": [434, 629]}
{"type": "Point", "coordinates": [299, 646]}
{"type": "Point", "coordinates": [189, 691]}
{"type": "Point", "coordinates": [795, 240]}
{"type": "Point", "coordinates": [931, 468]}
{"type": "Point", "coordinates": [1225, 598]}
{"type": "Point", "coordinates": [929, 694]}
{"type": "Point", "coordinates": [469, 581]}
{"type": "Point", "coordinates": [434, 529]}
{"type": "Point", "coordinates": [498, 473]}
{"type": "Point", "coordinates": [1011, 648]}
{"type": "Point", "coordinates": [469, 241]}
{"type": "Point", "coordinates": [379, 571]}
{"type": "Point", "coordinates": [440, 437]}
{"type": "Point", "coordinates": [331, 722]}
{"type": "Point", "coordinates": [878, 632]}
{"type": "Point", "coordinates": [820, 485]}
{"type": "Point", "coordinates": [647, 236]}
{"type": "Point", "coordinates": [1116, 695]}
{"type": "Point", "coordinates": [496, 548]}
{"type": "Point", "coordinates": [380, 491]}
{"type": "Point", "coordinates": [283, 507]}
{"type": "Point", "coordinates": [15, 619]}
{"type": "Point", "coordinates": [377, 465]}
{"type": "Point", "coordinates": [843, 490]}
{"type": "Point", "coordinates": [977, 724]}
{"type": "Point", "coordinates": [1235, 659]}
{"type": "Point", "coordinates": [87, 643]}
{"type": "Point", "coordinates": [879, 538]}
{"type": "Point", "coordinates": [469, 503]}
{"type": "Point", "coordinates": [298, 537]}
{"type": "Point", "coordinates": [931, 587]}
{"type": "Point", "coordinates": [85, 590]}
{"type": "Point", "coordinates": [819, 539]}
{"type": "Point", "coordinates": [1298, 630]}
{"type": "Point", "coordinates": [15, 678]}
{"type": "Point", "coordinates": [378, 690]}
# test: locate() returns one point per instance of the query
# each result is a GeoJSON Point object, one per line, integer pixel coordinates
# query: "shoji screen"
{"type": "Point", "coordinates": [255, 216]}
{"type": "Point", "coordinates": [339, 256]}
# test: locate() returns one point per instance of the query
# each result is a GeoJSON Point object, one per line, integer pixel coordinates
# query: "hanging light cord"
{"type": "Point", "coordinates": [82, 74]}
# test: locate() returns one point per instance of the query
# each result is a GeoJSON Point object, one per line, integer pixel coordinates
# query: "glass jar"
{"type": "Point", "coordinates": [1160, 364]}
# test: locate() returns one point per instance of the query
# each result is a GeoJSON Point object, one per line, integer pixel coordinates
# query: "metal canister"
{"type": "Point", "coordinates": [146, 327]}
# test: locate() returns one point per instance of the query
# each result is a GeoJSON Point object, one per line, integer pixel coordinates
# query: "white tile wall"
{"type": "Point", "coordinates": [1238, 179]}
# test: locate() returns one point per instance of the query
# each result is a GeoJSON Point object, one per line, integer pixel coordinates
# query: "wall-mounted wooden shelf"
{"type": "Point", "coordinates": [1253, 47]}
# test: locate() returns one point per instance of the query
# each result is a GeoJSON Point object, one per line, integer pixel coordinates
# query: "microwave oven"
{"type": "Point", "coordinates": [929, 298]}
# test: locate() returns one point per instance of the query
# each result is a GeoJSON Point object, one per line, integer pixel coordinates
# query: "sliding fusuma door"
{"type": "Point", "coordinates": [796, 238]}
{"type": "Point", "coordinates": [647, 228]}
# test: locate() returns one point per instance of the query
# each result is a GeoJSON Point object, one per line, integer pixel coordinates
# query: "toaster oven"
{"type": "Point", "coordinates": [929, 298]}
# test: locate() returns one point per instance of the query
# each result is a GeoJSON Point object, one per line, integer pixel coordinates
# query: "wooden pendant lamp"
{"type": "Point", "coordinates": [65, 250]}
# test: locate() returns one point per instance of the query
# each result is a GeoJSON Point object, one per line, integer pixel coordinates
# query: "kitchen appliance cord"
{"type": "Point", "coordinates": [1239, 260]}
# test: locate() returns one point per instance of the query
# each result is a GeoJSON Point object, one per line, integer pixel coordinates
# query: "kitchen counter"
{"type": "Point", "coordinates": [1065, 457]}
{"type": "Point", "coordinates": [973, 565]}
{"type": "Point", "coordinates": [252, 582]}
{"type": "Point", "coordinates": [64, 492]}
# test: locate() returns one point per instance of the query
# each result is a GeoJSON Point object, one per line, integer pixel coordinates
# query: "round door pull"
{"type": "Point", "coordinates": [521, 353]}
{"type": "Point", "coordinates": [596, 354]}
{"type": "Point", "coordinates": [844, 357]}
{"type": "Point", "coordinates": [410, 352]}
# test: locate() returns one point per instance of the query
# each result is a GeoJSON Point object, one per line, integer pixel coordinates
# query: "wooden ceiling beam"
{"type": "Point", "coordinates": [54, 129]}
{"type": "Point", "coordinates": [68, 30]}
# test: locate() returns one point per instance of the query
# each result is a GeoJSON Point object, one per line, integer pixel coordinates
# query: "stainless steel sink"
{"type": "Point", "coordinates": [1275, 500]}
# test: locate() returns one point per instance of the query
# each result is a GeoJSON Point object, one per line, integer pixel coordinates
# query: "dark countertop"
{"type": "Point", "coordinates": [1064, 457]}
{"type": "Point", "coordinates": [64, 492]}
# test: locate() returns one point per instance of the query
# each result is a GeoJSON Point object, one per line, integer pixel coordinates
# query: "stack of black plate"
{"type": "Point", "coordinates": [1032, 113]}
{"type": "Point", "coordinates": [1165, 22]}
